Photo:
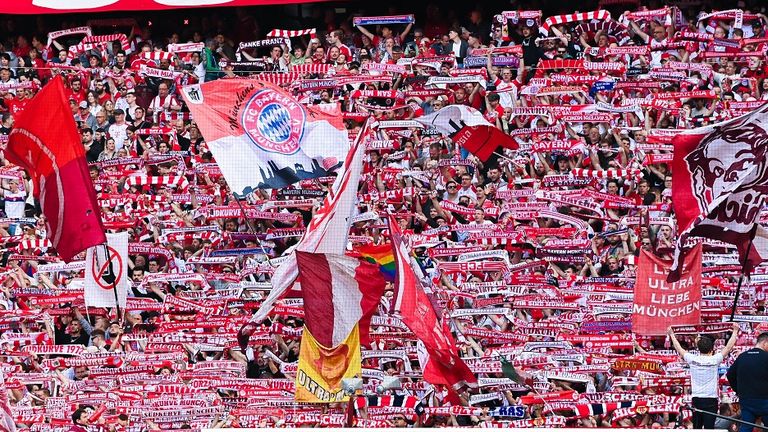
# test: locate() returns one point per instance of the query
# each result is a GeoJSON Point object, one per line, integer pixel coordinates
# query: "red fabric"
{"type": "Point", "coordinates": [411, 302]}
{"type": "Point", "coordinates": [329, 294]}
{"type": "Point", "coordinates": [719, 183]}
{"type": "Point", "coordinates": [6, 416]}
{"type": "Point", "coordinates": [55, 159]}
{"type": "Point", "coordinates": [66, 6]}
{"type": "Point", "coordinates": [658, 303]}
{"type": "Point", "coordinates": [482, 141]}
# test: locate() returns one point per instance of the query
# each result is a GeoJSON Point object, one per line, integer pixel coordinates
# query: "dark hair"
{"type": "Point", "coordinates": [705, 344]}
{"type": "Point", "coordinates": [762, 337]}
{"type": "Point", "coordinates": [77, 414]}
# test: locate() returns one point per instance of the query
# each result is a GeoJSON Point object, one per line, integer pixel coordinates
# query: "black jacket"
{"type": "Point", "coordinates": [748, 375]}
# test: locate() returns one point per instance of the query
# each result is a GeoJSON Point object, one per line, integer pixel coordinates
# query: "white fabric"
{"type": "Point", "coordinates": [15, 204]}
{"type": "Point", "coordinates": [704, 374]}
{"type": "Point", "coordinates": [101, 293]}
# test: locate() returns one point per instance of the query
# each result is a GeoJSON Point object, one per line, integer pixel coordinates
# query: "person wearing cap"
{"type": "Point", "coordinates": [84, 115]}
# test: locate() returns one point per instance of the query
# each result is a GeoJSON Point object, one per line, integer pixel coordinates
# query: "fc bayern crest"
{"type": "Point", "coordinates": [273, 122]}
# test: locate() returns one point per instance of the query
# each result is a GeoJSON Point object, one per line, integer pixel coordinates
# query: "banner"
{"type": "Point", "coordinates": [719, 187]}
{"type": "Point", "coordinates": [469, 129]}
{"type": "Point", "coordinates": [263, 138]}
{"type": "Point", "coordinates": [29, 7]}
{"type": "Point", "coordinates": [321, 369]}
{"type": "Point", "coordinates": [55, 159]}
{"type": "Point", "coordinates": [660, 304]}
{"type": "Point", "coordinates": [101, 278]}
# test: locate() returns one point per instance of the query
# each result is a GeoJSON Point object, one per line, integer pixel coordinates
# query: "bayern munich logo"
{"type": "Point", "coordinates": [273, 123]}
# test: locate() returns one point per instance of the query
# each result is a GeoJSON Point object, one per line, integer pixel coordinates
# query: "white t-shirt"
{"type": "Point", "coordinates": [704, 375]}
{"type": "Point", "coordinates": [15, 204]}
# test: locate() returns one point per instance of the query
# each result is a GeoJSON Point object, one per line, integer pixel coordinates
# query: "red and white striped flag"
{"type": "Point", "coordinates": [338, 291]}
{"type": "Point", "coordinates": [327, 231]}
{"type": "Point", "coordinates": [340, 294]}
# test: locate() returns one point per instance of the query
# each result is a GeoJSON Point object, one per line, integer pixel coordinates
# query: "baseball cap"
{"type": "Point", "coordinates": [83, 105]}
{"type": "Point", "coordinates": [130, 91]}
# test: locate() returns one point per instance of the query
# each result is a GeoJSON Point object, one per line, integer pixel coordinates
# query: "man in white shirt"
{"type": "Point", "coordinates": [15, 199]}
{"type": "Point", "coordinates": [164, 102]}
{"type": "Point", "coordinates": [118, 130]}
{"type": "Point", "coordinates": [704, 374]}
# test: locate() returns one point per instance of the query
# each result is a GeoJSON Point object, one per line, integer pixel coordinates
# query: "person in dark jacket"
{"type": "Point", "coordinates": [458, 47]}
{"type": "Point", "coordinates": [748, 376]}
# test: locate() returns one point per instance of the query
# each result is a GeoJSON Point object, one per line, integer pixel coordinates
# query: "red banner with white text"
{"type": "Point", "coordinates": [660, 304]}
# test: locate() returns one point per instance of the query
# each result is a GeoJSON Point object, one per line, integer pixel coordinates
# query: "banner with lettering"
{"type": "Point", "coordinates": [660, 304]}
{"type": "Point", "coordinates": [321, 369]}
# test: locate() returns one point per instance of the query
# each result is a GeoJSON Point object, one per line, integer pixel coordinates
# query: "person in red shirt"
{"type": "Point", "coordinates": [334, 40]}
{"type": "Point", "coordinates": [462, 97]}
{"type": "Point", "coordinates": [493, 109]}
{"type": "Point", "coordinates": [101, 92]}
{"type": "Point", "coordinates": [21, 49]}
{"type": "Point", "coordinates": [76, 90]}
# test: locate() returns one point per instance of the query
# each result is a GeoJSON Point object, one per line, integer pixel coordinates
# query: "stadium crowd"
{"type": "Point", "coordinates": [593, 100]}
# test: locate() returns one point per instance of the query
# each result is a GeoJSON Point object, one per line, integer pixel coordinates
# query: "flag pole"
{"type": "Point", "coordinates": [114, 282]}
{"type": "Point", "coordinates": [741, 278]}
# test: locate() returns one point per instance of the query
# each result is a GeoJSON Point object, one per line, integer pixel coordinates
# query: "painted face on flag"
{"type": "Point", "coordinates": [332, 364]}
{"type": "Point", "coordinates": [716, 173]}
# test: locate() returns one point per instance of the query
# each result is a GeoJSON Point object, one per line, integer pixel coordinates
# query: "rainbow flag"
{"type": "Point", "coordinates": [381, 255]}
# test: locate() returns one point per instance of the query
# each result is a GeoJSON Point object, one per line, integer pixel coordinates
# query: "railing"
{"type": "Point", "coordinates": [728, 418]}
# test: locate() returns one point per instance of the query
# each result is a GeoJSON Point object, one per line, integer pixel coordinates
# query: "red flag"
{"type": "Point", "coordinates": [444, 365]}
{"type": "Point", "coordinates": [482, 141]}
{"type": "Point", "coordinates": [720, 184]}
{"type": "Point", "coordinates": [469, 129]}
{"type": "Point", "coordinates": [55, 160]}
{"type": "Point", "coordinates": [327, 232]}
{"type": "Point", "coordinates": [339, 291]}
{"type": "Point", "coordinates": [659, 304]}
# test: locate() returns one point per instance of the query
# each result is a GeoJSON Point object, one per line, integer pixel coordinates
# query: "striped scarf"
{"type": "Point", "coordinates": [311, 68]}
{"type": "Point", "coordinates": [157, 55]}
{"type": "Point", "coordinates": [143, 180]}
{"type": "Point", "coordinates": [601, 15]}
{"type": "Point", "coordinates": [607, 174]}
{"type": "Point", "coordinates": [292, 33]}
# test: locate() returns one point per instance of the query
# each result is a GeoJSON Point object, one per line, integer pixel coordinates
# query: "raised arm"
{"type": "Point", "coordinates": [675, 343]}
{"type": "Point", "coordinates": [731, 341]}
{"type": "Point", "coordinates": [365, 31]}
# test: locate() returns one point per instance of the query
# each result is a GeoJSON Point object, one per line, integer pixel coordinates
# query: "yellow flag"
{"type": "Point", "coordinates": [321, 369]}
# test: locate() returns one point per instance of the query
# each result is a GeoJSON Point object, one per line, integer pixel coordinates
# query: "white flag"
{"type": "Point", "coordinates": [103, 279]}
